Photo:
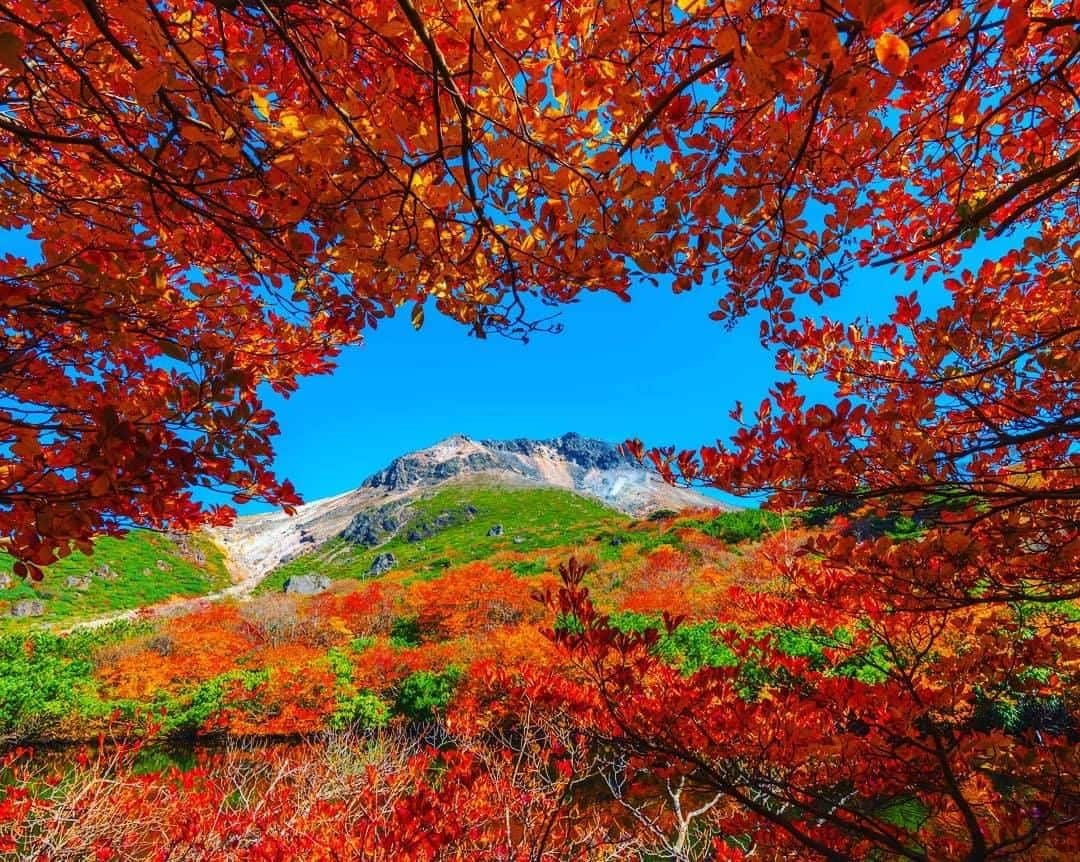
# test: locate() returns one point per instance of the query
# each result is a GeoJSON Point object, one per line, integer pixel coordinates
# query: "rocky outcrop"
{"type": "Point", "coordinates": [420, 469]}
{"type": "Point", "coordinates": [496, 530]}
{"type": "Point", "coordinates": [104, 572]}
{"type": "Point", "coordinates": [28, 608]}
{"type": "Point", "coordinates": [307, 585]}
{"type": "Point", "coordinates": [380, 508]}
{"type": "Point", "coordinates": [583, 452]}
{"type": "Point", "coordinates": [375, 526]}
{"type": "Point", "coordinates": [381, 565]}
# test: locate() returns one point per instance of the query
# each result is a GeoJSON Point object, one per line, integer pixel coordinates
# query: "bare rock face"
{"type": "Point", "coordinates": [375, 526]}
{"type": "Point", "coordinates": [105, 572]}
{"type": "Point", "coordinates": [381, 565]}
{"type": "Point", "coordinates": [307, 585]}
{"type": "Point", "coordinates": [591, 467]}
{"type": "Point", "coordinates": [381, 507]}
{"type": "Point", "coordinates": [28, 608]}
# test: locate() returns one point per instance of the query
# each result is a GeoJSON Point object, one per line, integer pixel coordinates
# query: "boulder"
{"type": "Point", "coordinates": [28, 608]}
{"type": "Point", "coordinates": [6, 581]}
{"type": "Point", "coordinates": [307, 585]}
{"type": "Point", "coordinates": [382, 564]}
{"type": "Point", "coordinates": [78, 583]}
{"type": "Point", "coordinates": [519, 540]}
{"type": "Point", "coordinates": [162, 566]}
{"type": "Point", "coordinates": [105, 572]}
{"type": "Point", "coordinates": [496, 530]}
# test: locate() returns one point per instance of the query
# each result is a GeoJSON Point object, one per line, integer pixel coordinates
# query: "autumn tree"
{"type": "Point", "coordinates": [225, 193]}
{"type": "Point", "coordinates": [940, 141]}
{"type": "Point", "coordinates": [222, 194]}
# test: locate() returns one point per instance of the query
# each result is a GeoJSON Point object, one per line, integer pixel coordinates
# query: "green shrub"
{"type": "Point", "coordinates": [692, 647]}
{"type": "Point", "coordinates": [188, 713]}
{"type": "Point", "coordinates": [405, 632]}
{"type": "Point", "coordinates": [364, 710]}
{"type": "Point", "coordinates": [568, 623]}
{"type": "Point", "coordinates": [424, 694]}
{"type": "Point", "coordinates": [46, 678]}
{"type": "Point", "coordinates": [524, 568]}
{"type": "Point", "coordinates": [741, 526]}
{"type": "Point", "coordinates": [631, 621]}
{"type": "Point", "coordinates": [361, 644]}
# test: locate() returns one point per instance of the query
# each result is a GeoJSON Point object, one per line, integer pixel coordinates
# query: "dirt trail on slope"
{"type": "Point", "coordinates": [239, 590]}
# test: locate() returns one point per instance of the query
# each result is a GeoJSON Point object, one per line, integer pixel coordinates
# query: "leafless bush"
{"type": "Point", "coordinates": [279, 620]}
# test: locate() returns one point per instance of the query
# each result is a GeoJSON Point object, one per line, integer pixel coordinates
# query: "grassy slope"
{"type": "Point", "coordinates": [538, 517]}
{"type": "Point", "coordinates": [67, 687]}
{"type": "Point", "coordinates": [141, 579]}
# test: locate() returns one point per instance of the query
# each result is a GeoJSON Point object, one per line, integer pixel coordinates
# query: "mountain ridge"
{"type": "Point", "coordinates": [257, 544]}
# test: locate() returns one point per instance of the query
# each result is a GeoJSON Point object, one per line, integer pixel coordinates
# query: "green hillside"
{"type": "Point", "coordinates": [140, 569]}
{"type": "Point", "coordinates": [531, 519]}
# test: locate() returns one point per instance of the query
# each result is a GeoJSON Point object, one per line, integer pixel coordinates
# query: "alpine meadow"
{"type": "Point", "coordinates": [848, 629]}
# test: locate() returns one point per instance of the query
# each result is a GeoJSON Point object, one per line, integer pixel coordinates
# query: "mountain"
{"type": "Point", "coordinates": [380, 506]}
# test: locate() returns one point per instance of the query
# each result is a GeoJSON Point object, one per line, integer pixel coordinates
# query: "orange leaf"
{"type": "Point", "coordinates": [892, 52]}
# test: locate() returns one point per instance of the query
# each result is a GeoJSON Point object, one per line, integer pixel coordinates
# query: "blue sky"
{"type": "Point", "coordinates": [655, 368]}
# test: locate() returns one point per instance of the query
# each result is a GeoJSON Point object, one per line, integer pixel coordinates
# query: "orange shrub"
{"type": "Point", "coordinates": [469, 600]}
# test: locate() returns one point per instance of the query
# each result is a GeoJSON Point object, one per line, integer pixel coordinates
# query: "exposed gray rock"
{"type": "Point", "coordinates": [496, 530]}
{"type": "Point", "coordinates": [105, 572]}
{"type": "Point", "coordinates": [376, 526]}
{"type": "Point", "coordinates": [186, 547]}
{"type": "Point", "coordinates": [28, 608]}
{"type": "Point", "coordinates": [162, 566]}
{"type": "Point", "coordinates": [584, 452]}
{"type": "Point", "coordinates": [6, 581]}
{"type": "Point", "coordinates": [307, 585]}
{"type": "Point", "coordinates": [410, 471]}
{"type": "Point", "coordinates": [519, 540]}
{"type": "Point", "coordinates": [382, 564]}
{"type": "Point", "coordinates": [79, 583]}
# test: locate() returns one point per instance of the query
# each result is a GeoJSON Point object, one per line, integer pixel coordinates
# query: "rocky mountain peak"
{"type": "Point", "coordinates": [526, 458]}
{"type": "Point", "coordinates": [593, 468]}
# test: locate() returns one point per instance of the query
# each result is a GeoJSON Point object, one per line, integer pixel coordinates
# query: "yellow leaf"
{"type": "Point", "coordinates": [892, 52]}
{"type": "Point", "coordinates": [262, 105]}
{"type": "Point", "coordinates": [291, 123]}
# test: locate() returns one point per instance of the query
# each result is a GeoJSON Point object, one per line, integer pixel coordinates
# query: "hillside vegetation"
{"type": "Point", "coordinates": [526, 520]}
{"type": "Point", "coordinates": [142, 568]}
{"type": "Point", "coordinates": [372, 649]}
